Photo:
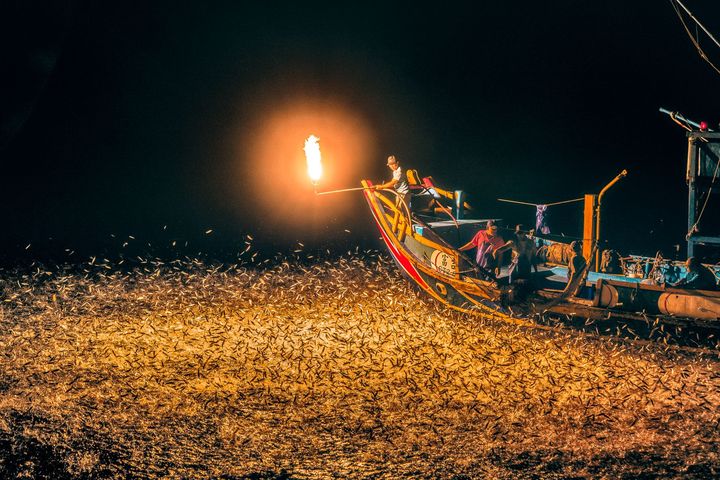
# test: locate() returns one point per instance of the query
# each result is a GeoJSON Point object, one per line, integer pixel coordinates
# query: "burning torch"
{"type": "Point", "coordinates": [313, 158]}
{"type": "Point", "coordinates": [314, 166]}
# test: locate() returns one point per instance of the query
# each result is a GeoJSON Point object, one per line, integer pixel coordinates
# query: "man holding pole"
{"type": "Point", "coordinates": [398, 180]}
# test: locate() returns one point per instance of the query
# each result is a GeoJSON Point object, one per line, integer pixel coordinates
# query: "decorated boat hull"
{"type": "Point", "coordinates": [432, 266]}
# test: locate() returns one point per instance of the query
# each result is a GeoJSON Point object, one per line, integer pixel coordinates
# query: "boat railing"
{"type": "Point", "coordinates": [401, 221]}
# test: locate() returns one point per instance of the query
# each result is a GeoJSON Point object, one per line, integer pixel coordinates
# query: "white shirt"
{"type": "Point", "coordinates": [402, 185]}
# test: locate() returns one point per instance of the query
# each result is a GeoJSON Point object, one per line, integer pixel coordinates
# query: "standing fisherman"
{"type": "Point", "coordinates": [524, 255]}
{"type": "Point", "coordinates": [398, 181]}
{"type": "Point", "coordinates": [576, 268]}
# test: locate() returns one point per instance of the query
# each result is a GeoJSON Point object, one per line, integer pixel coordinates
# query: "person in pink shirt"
{"type": "Point", "coordinates": [487, 242]}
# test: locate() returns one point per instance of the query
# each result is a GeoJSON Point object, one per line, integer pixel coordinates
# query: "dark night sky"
{"type": "Point", "coordinates": [151, 119]}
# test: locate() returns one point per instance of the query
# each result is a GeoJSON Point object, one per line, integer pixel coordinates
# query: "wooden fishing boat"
{"type": "Point", "coordinates": [425, 245]}
{"type": "Point", "coordinates": [426, 242]}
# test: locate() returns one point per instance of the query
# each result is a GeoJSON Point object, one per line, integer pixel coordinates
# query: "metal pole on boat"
{"type": "Point", "coordinates": [459, 202]}
{"type": "Point", "coordinates": [597, 216]}
{"type": "Point", "coordinates": [679, 116]}
{"type": "Point", "coordinates": [589, 212]}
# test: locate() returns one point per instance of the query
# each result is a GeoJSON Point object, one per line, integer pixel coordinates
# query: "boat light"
{"type": "Point", "coordinates": [703, 126]}
{"type": "Point", "coordinates": [312, 156]}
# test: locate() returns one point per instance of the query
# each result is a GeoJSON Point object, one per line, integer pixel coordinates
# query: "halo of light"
{"type": "Point", "coordinates": [272, 163]}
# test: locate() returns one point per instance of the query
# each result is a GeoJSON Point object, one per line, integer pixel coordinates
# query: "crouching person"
{"type": "Point", "coordinates": [698, 277]}
{"type": "Point", "coordinates": [487, 242]}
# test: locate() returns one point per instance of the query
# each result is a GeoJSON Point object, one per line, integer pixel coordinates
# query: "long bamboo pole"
{"type": "Point", "coordinates": [343, 190]}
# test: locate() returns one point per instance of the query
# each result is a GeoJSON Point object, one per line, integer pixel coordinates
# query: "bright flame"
{"type": "Point", "coordinates": [312, 155]}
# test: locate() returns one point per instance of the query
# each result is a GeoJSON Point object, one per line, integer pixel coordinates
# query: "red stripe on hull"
{"type": "Point", "coordinates": [397, 254]}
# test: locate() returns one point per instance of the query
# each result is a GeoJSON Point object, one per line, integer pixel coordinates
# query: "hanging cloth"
{"type": "Point", "coordinates": [541, 213]}
{"type": "Point", "coordinates": [541, 217]}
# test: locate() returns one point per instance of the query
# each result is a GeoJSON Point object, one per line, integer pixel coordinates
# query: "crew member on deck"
{"type": "Point", "coordinates": [698, 277]}
{"type": "Point", "coordinates": [576, 267]}
{"type": "Point", "coordinates": [524, 255]}
{"type": "Point", "coordinates": [398, 180]}
{"type": "Point", "coordinates": [487, 241]}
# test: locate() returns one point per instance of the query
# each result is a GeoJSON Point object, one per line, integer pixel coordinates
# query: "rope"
{"type": "Point", "coordinates": [694, 41]}
{"type": "Point", "coordinates": [538, 204]}
{"type": "Point", "coordinates": [674, 119]}
{"type": "Point", "coordinates": [442, 207]}
{"type": "Point", "coordinates": [565, 201]}
{"type": "Point", "coordinates": [515, 201]}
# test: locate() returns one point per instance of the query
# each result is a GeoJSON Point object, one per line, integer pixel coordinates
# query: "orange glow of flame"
{"type": "Point", "coordinates": [271, 166]}
{"type": "Point", "coordinates": [313, 158]}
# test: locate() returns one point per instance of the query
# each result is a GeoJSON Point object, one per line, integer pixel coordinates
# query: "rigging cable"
{"type": "Point", "coordinates": [693, 229]}
{"type": "Point", "coordinates": [704, 56]}
{"type": "Point", "coordinates": [694, 40]}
